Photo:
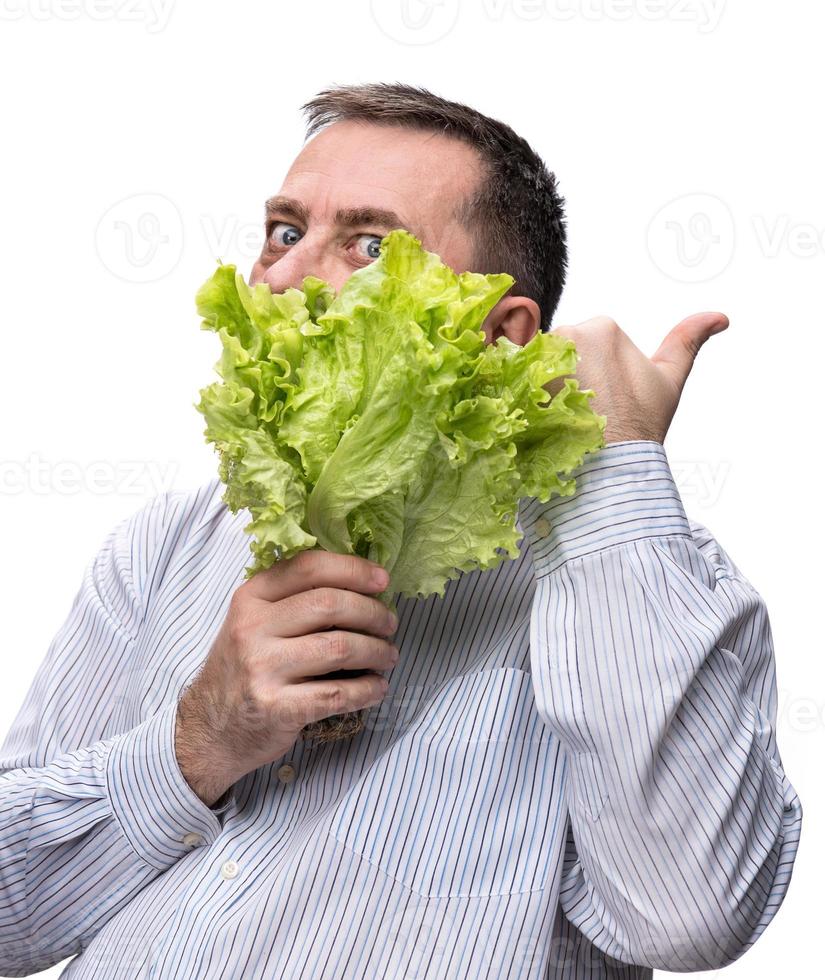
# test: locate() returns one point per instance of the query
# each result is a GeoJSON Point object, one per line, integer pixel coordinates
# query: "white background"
{"type": "Point", "coordinates": [141, 140]}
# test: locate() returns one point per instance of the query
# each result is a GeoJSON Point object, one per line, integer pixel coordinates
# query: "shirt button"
{"type": "Point", "coordinates": [192, 839]}
{"type": "Point", "coordinates": [541, 527]}
{"type": "Point", "coordinates": [286, 773]}
{"type": "Point", "coordinates": [229, 869]}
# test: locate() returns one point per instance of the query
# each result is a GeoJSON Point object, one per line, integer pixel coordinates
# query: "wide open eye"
{"type": "Point", "coordinates": [368, 246]}
{"type": "Point", "coordinates": [283, 235]}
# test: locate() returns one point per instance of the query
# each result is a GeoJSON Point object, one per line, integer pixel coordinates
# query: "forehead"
{"type": "Point", "coordinates": [415, 173]}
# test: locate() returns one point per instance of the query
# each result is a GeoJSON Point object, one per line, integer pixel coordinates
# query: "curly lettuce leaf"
{"type": "Point", "coordinates": [378, 422]}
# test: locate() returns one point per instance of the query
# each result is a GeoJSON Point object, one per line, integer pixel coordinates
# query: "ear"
{"type": "Point", "coordinates": [517, 318]}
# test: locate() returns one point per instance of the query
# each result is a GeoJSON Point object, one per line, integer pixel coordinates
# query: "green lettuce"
{"type": "Point", "coordinates": [378, 422]}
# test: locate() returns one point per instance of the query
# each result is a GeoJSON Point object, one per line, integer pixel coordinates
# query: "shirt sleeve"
{"type": "Point", "coordinates": [653, 662]}
{"type": "Point", "coordinates": [90, 814]}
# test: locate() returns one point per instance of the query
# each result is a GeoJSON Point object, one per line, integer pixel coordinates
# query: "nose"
{"type": "Point", "coordinates": [305, 258]}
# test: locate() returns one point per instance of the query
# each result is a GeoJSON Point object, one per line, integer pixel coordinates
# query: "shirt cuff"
{"type": "Point", "coordinates": [624, 492]}
{"type": "Point", "coordinates": [158, 811]}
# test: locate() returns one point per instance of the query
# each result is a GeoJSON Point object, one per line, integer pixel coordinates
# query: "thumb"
{"type": "Point", "coordinates": [678, 350]}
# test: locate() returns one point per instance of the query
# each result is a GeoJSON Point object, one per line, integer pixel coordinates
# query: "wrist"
{"type": "Point", "coordinates": [208, 774]}
{"type": "Point", "coordinates": [636, 435]}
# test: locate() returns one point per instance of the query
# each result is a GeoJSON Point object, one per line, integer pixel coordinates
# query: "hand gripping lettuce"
{"type": "Point", "coordinates": [378, 422]}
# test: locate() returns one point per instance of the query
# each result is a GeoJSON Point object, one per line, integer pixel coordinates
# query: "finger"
{"type": "Point", "coordinates": [678, 350]}
{"type": "Point", "coordinates": [324, 608]}
{"type": "Point", "coordinates": [314, 700]}
{"type": "Point", "coordinates": [313, 569]}
{"type": "Point", "coordinates": [307, 657]}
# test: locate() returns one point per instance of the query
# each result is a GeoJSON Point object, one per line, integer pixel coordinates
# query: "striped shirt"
{"type": "Point", "coordinates": [574, 773]}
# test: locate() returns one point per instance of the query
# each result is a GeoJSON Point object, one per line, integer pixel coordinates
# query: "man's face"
{"type": "Point", "coordinates": [351, 185]}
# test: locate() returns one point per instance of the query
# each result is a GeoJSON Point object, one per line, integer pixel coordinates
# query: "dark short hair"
{"type": "Point", "coordinates": [516, 214]}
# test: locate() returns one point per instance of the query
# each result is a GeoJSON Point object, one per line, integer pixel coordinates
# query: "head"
{"type": "Point", "coordinates": [384, 156]}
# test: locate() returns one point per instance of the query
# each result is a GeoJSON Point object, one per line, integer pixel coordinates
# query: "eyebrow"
{"type": "Point", "coordinates": [347, 217]}
{"type": "Point", "coordinates": [287, 206]}
{"type": "Point", "coordinates": [377, 217]}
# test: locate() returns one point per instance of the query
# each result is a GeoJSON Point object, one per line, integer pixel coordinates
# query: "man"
{"type": "Point", "coordinates": [571, 770]}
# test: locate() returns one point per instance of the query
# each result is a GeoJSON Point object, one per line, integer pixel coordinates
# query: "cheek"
{"type": "Point", "coordinates": [336, 274]}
